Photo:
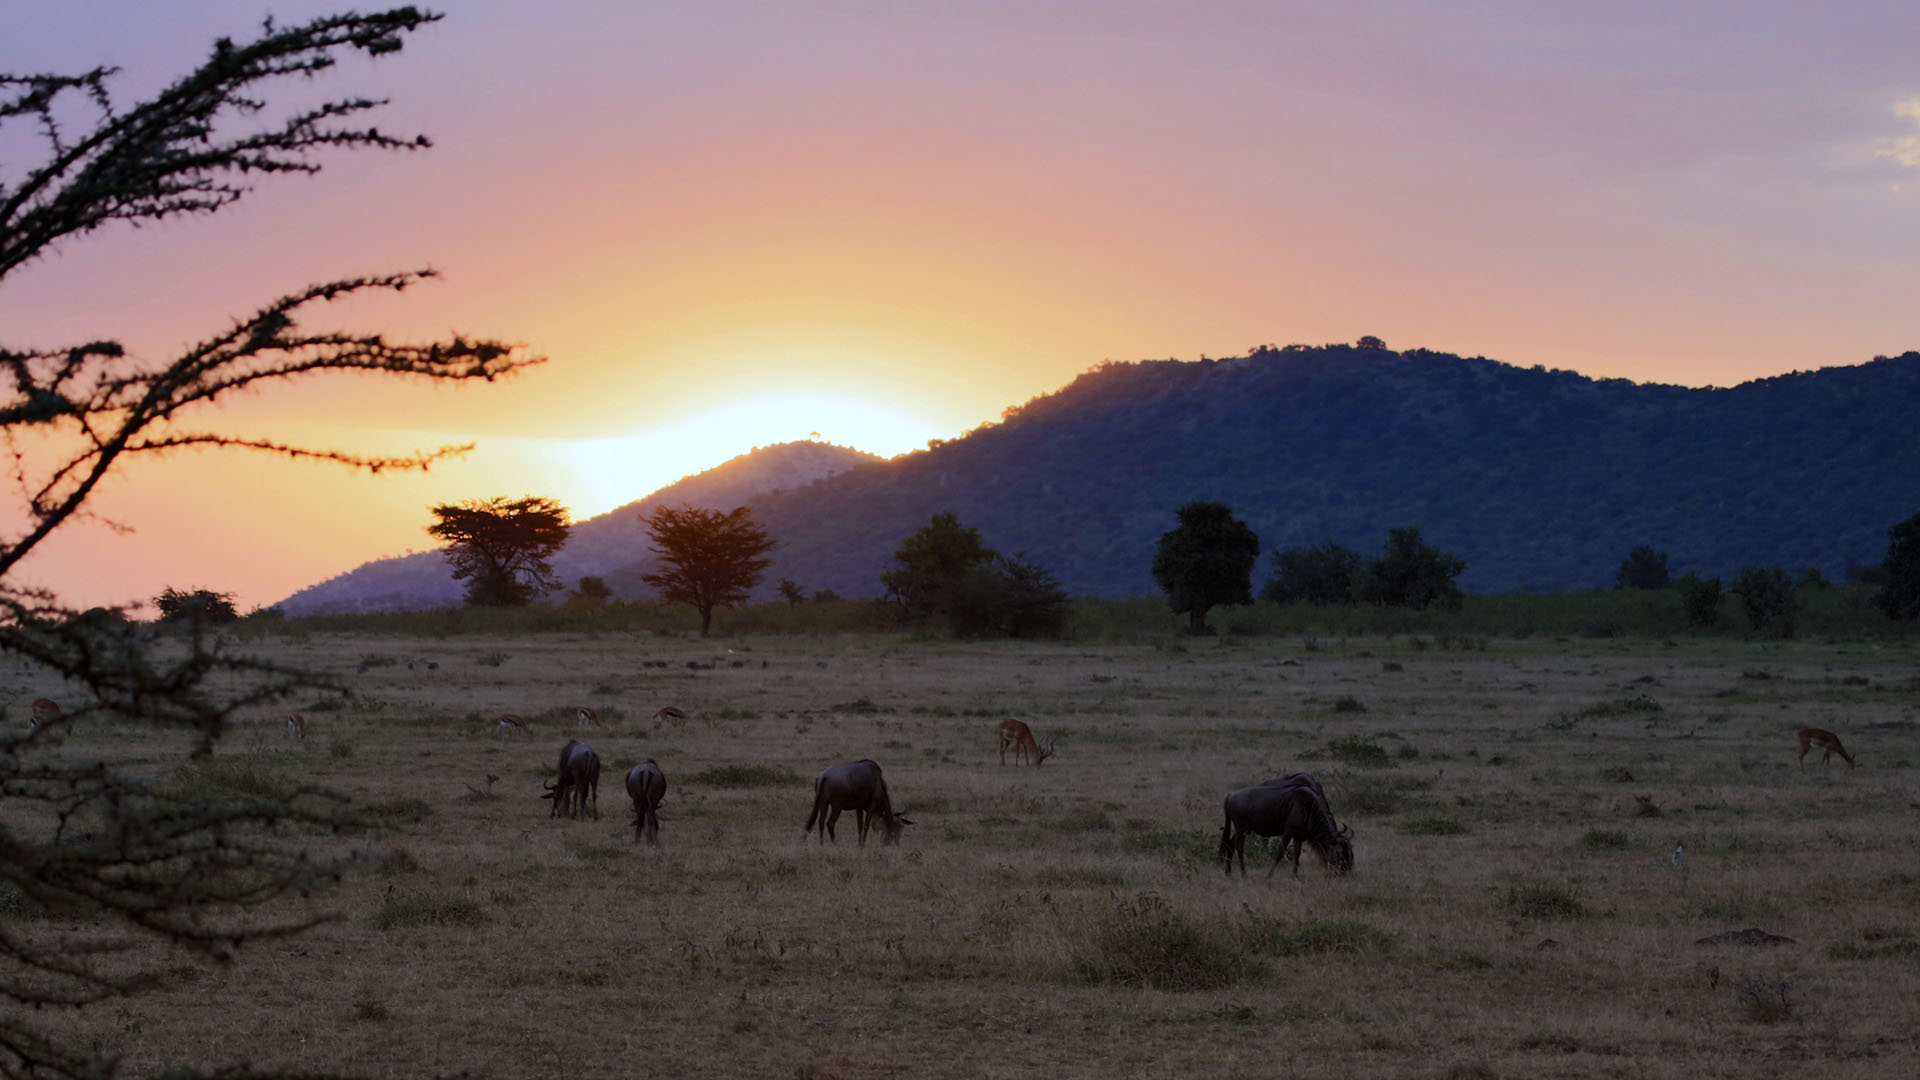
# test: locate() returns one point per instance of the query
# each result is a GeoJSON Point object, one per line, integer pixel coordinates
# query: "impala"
{"type": "Point", "coordinates": [585, 717]}
{"type": "Point", "coordinates": [513, 725]}
{"type": "Point", "coordinates": [859, 787]}
{"type": "Point", "coordinates": [668, 712]}
{"type": "Point", "coordinates": [297, 727]}
{"type": "Point", "coordinates": [1019, 736]}
{"type": "Point", "coordinates": [646, 786]}
{"type": "Point", "coordinates": [42, 712]}
{"type": "Point", "coordinates": [1294, 815]}
{"type": "Point", "coordinates": [576, 782]}
{"type": "Point", "coordinates": [1809, 737]}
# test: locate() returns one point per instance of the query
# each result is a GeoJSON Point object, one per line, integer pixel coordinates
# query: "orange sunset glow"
{"type": "Point", "coordinates": [737, 224]}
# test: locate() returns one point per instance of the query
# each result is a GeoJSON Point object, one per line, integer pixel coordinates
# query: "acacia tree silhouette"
{"type": "Point", "coordinates": [96, 865]}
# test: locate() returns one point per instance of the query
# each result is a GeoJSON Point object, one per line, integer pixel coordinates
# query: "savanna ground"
{"type": "Point", "coordinates": [1515, 910]}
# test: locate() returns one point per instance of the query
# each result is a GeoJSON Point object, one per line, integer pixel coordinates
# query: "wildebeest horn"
{"type": "Point", "coordinates": [1346, 831]}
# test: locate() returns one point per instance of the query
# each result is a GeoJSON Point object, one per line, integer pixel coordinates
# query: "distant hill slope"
{"type": "Point", "coordinates": [597, 546]}
{"type": "Point", "coordinates": [1541, 480]}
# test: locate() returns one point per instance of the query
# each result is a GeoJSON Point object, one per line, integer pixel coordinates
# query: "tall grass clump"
{"type": "Point", "coordinates": [744, 776]}
{"type": "Point", "coordinates": [399, 910]}
{"type": "Point", "coordinates": [1272, 937]}
{"type": "Point", "coordinates": [1145, 943]}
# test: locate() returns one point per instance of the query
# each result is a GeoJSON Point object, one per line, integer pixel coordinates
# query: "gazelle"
{"type": "Point", "coordinates": [1019, 736]}
{"type": "Point", "coordinates": [297, 727]}
{"type": "Point", "coordinates": [513, 725]}
{"type": "Point", "coordinates": [42, 712]}
{"type": "Point", "coordinates": [585, 717]}
{"type": "Point", "coordinates": [668, 712]}
{"type": "Point", "coordinates": [1809, 737]}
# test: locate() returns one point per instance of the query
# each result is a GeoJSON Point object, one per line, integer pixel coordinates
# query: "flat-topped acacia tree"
{"type": "Point", "coordinates": [95, 865]}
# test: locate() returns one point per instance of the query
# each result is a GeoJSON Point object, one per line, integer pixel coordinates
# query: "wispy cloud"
{"type": "Point", "coordinates": [1904, 149]}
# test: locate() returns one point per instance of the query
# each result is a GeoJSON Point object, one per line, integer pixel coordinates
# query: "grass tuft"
{"type": "Point", "coordinates": [1145, 943]}
{"type": "Point", "coordinates": [745, 776]}
{"type": "Point", "coordinates": [399, 910]}
{"type": "Point", "coordinates": [1538, 901]}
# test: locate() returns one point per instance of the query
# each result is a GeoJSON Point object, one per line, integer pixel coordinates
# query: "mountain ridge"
{"type": "Point", "coordinates": [1541, 479]}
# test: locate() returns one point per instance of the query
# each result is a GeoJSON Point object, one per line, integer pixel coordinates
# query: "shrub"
{"type": "Point", "coordinates": [1701, 599]}
{"type": "Point", "coordinates": [1766, 593]}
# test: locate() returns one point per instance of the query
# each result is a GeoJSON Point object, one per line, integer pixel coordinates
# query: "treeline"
{"type": "Point", "coordinates": [1842, 612]}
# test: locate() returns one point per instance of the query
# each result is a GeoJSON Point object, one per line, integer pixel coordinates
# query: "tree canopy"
{"type": "Point", "coordinates": [177, 606]}
{"type": "Point", "coordinates": [1643, 568]}
{"type": "Point", "coordinates": [1899, 595]}
{"type": "Point", "coordinates": [1410, 573]}
{"type": "Point", "coordinates": [710, 558]}
{"type": "Point", "coordinates": [501, 547]}
{"type": "Point", "coordinates": [944, 571]}
{"type": "Point", "coordinates": [1313, 575]}
{"type": "Point", "coordinates": [116, 861]}
{"type": "Point", "coordinates": [1207, 560]}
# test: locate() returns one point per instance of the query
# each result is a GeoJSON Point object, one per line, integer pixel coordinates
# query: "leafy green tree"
{"type": "Point", "coordinates": [1313, 575]}
{"type": "Point", "coordinates": [1766, 592]}
{"type": "Point", "coordinates": [1899, 594]}
{"type": "Point", "coordinates": [1410, 573]}
{"type": "Point", "coordinates": [1700, 596]}
{"type": "Point", "coordinates": [1643, 568]}
{"type": "Point", "coordinates": [103, 864]}
{"type": "Point", "coordinates": [202, 604]}
{"type": "Point", "coordinates": [1206, 561]}
{"type": "Point", "coordinates": [710, 558]}
{"type": "Point", "coordinates": [501, 547]}
{"type": "Point", "coordinates": [934, 568]}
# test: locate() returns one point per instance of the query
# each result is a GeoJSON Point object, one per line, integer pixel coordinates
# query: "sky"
{"type": "Point", "coordinates": [728, 224]}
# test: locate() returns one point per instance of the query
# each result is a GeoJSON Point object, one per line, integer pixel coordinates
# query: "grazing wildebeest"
{"type": "Point", "coordinates": [1809, 737]}
{"type": "Point", "coordinates": [1019, 736]}
{"type": "Point", "coordinates": [1292, 814]}
{"type": "Point", "coordinates": [859, 787]}
{"type": "Point", "coordinates": [1338, 854]}
{"type": "Point", "coordinates": [646, 786]}
{"type": "Point", "coordinates": [577, 782]}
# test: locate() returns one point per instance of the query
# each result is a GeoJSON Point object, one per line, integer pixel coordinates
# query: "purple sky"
{"type": "Point", "coordinates": [934, 211]}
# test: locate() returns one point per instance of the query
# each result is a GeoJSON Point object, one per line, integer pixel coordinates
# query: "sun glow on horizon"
{"type": "Point", "coordinates": [602, 474]}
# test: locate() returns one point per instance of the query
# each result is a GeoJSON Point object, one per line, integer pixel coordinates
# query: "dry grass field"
{"type": "Point", "coordinates": [1515, 909]}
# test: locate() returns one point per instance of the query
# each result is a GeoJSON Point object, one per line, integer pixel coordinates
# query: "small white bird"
{"type": "Point", "coordinates": [1680, 855]}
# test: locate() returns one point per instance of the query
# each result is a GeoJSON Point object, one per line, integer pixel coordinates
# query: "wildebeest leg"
{"type": "Point", "coordinates": [826, 826]}
{"type": "Point", "coordinates": [861, 820]}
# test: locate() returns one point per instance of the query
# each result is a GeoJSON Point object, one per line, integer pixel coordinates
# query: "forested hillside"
{"type": "Point", "coordinates": [1540, 479]}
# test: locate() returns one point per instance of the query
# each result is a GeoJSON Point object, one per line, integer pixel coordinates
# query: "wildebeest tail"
{"type": "Point", "coordinates": [1226, 832]}
{"type": "Point", "coordinates": [819, 800]}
